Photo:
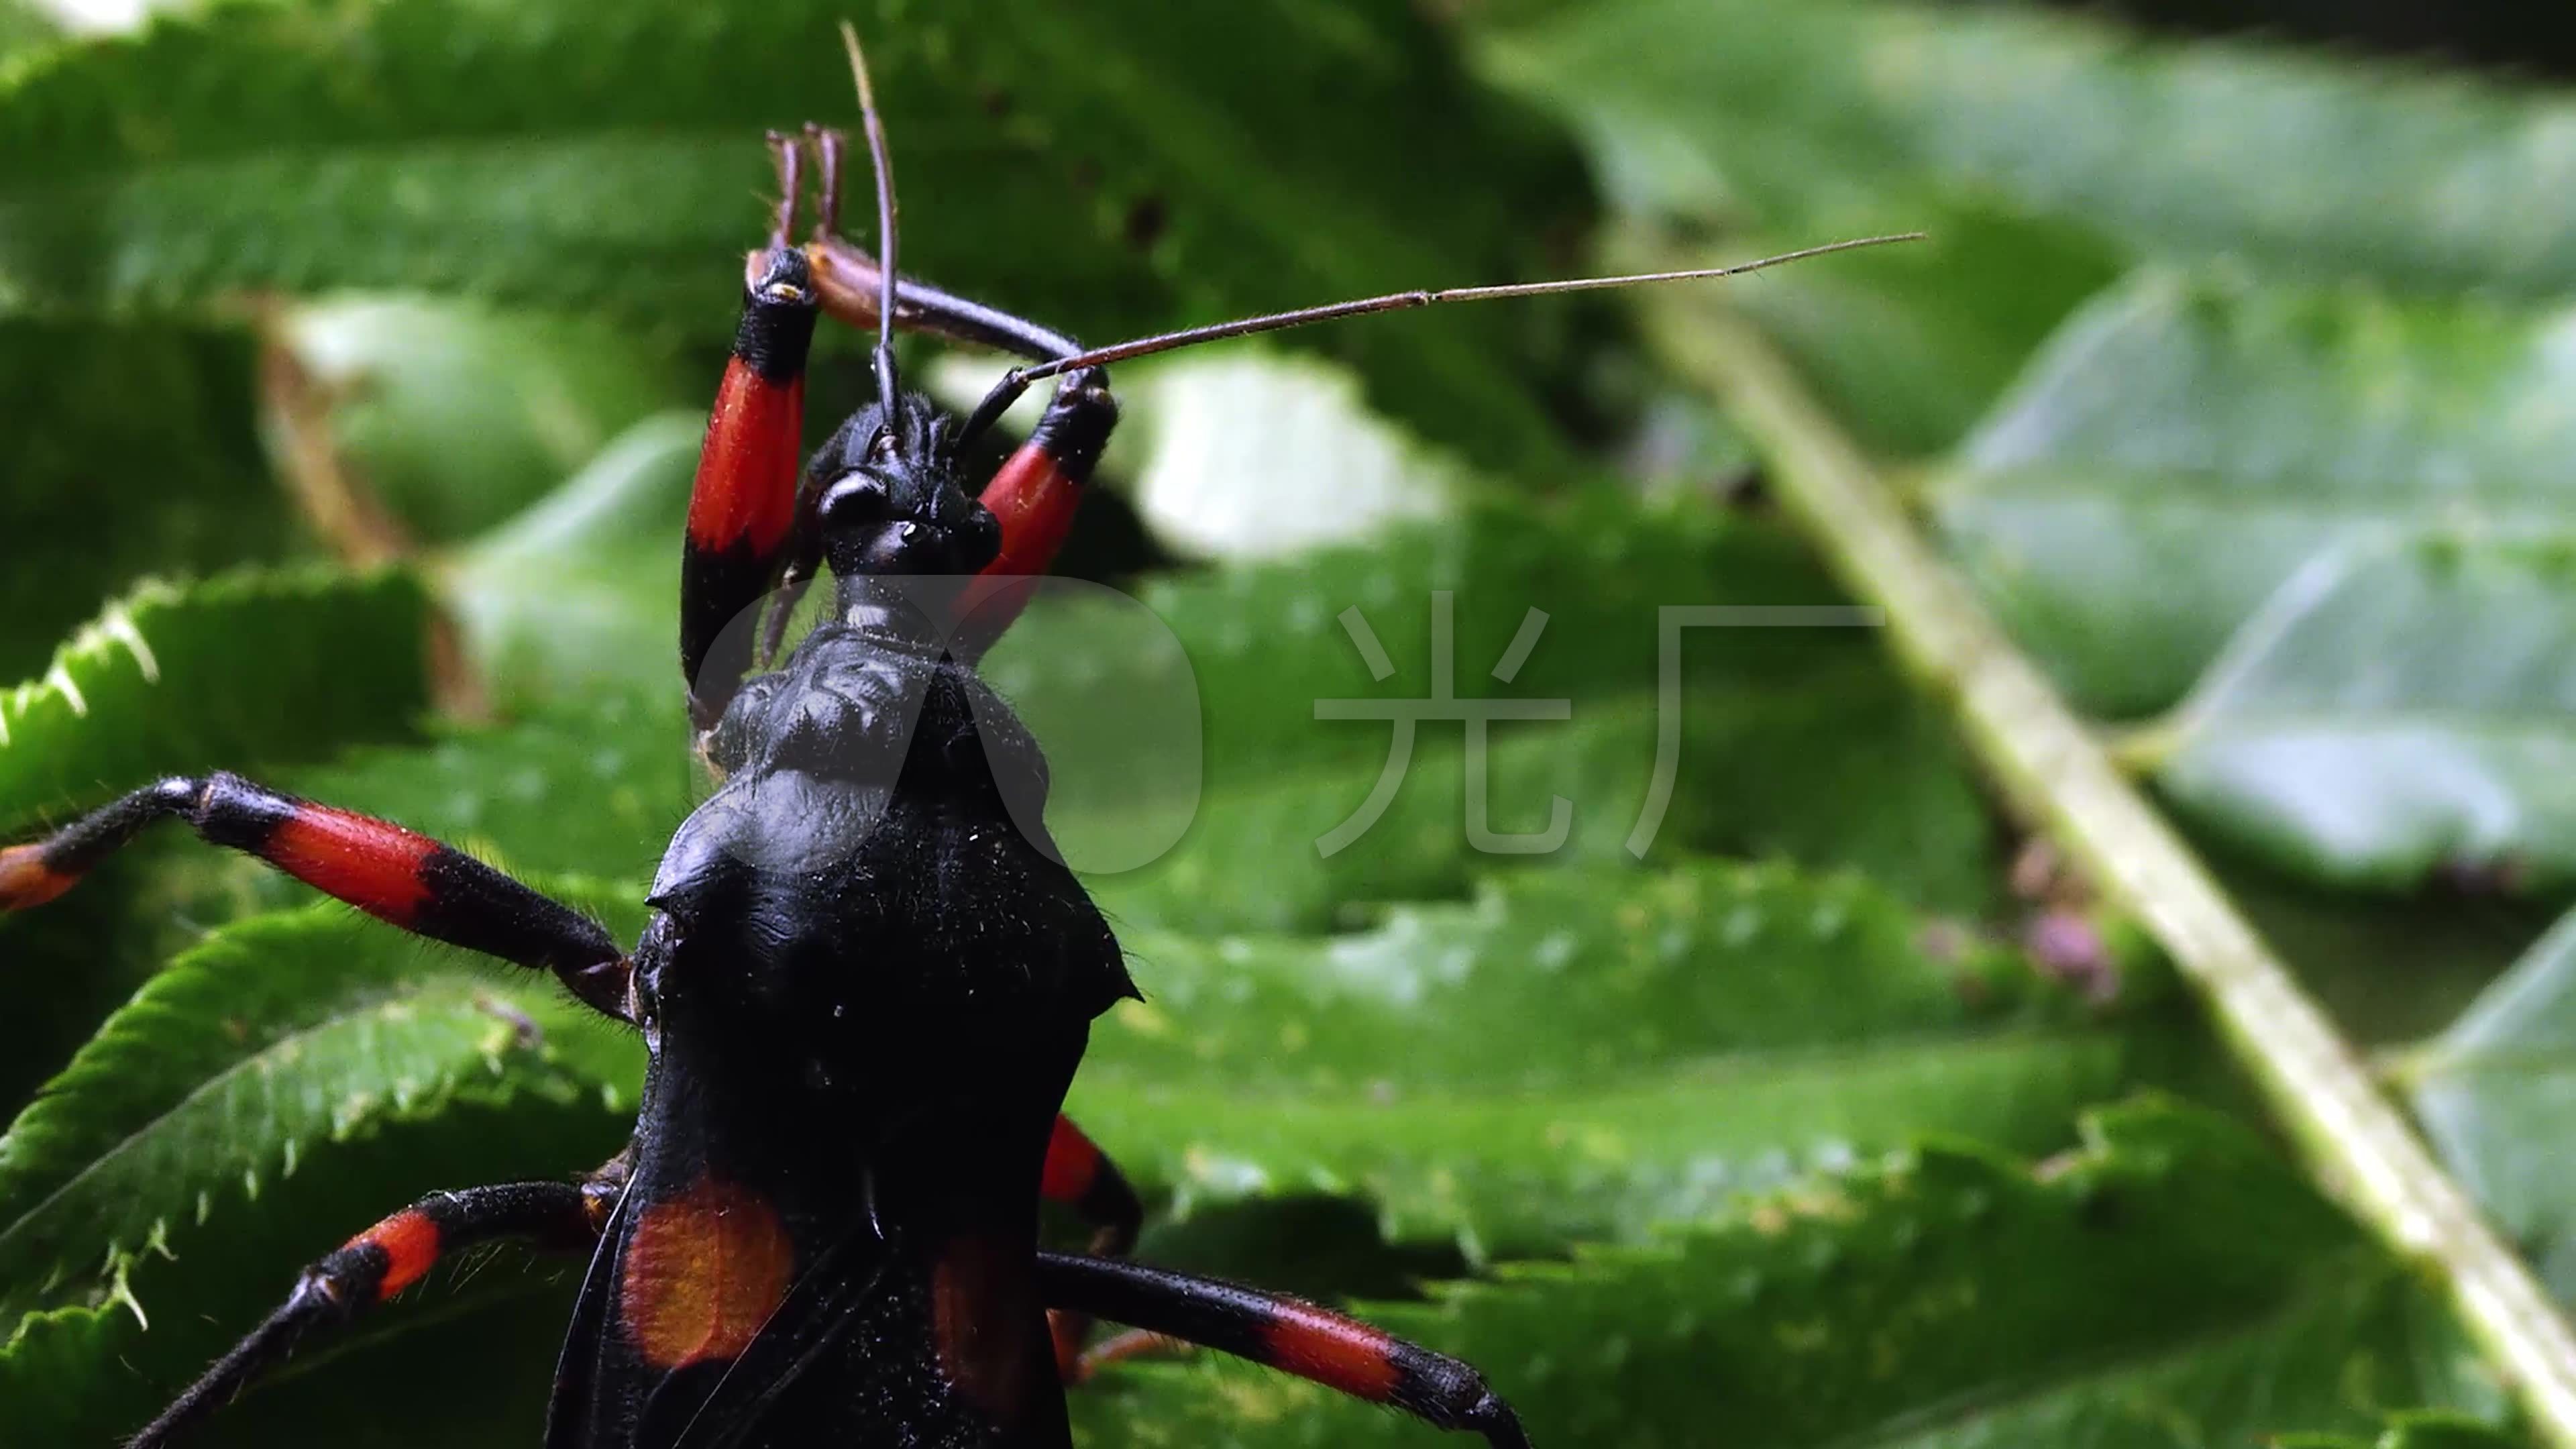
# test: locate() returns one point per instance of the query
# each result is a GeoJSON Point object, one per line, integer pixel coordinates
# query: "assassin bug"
{"type": "Point", "coordinates": [866, 982]}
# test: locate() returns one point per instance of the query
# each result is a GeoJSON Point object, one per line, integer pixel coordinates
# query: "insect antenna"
{"type": "Point", "coordinates": [883, 165]}
{"type": "Point", "coordinates": [1017, 380]}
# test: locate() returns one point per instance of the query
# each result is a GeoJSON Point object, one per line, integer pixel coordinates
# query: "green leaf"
{"type": "Point", "coordinates": [2393, 716]}
{"type": "Point", "coordinates": [488, 1350]}
{"type": "Point", "coordinates": [79, 958]}
{"type": "Point", "coordinates": [2186, 444]}
{"type": "Point", "coordinates": [163, 417]}
{"type": "Point", "coordinates": [247, 668]}
{"type": "Point", "coordinates": [92, 1375]}
{"type": "Point", "coordinates": [589, 787]}
{"type": "Point", "coordinates": [575, 596]}
{"type": "Point", "coordinates": [25, 26]}
{"type": "Point", "coordinates": [579, 594]}
{"type": "Point", "coordinates": [1580, 1056]}
{"type": "Point", "coordinates": [2300, 164]}
{"type": "Point", "coordinates": [1113, 169]}
{"type": "Point", "coordinates": [1841, 770]}
{"type": "Point", "coordinates": [2170, 1282]}
{"type": "Point", "coordinates": [1914, 343]}
{"type": "Point", "coordinates": [278, 1034]}
{"type": "Point", "coordinates": [2495, 1092]}
{"type": "Point", "coordinates": [2422, 1430]}
{"type": "Point", "coordinates": [1265, 641]}
{"type": "Point", "coordinates": [455, 416]}
{"type": "Point", "coordinates": [271, 1092]}
{"type": "Point", "coordinates": [1911, 344]}
{"type": "Point", "coordinates": [2388, 970]}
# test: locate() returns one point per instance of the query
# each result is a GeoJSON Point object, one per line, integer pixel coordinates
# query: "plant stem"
{"type": "Point", "coordinates": [2051, 766]}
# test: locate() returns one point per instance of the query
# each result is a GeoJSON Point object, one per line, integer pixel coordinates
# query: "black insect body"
{"type": "Point", "coordinates": [868, 977]}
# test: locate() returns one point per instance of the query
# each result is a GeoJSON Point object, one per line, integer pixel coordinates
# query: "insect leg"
{"type": "Point", "coordinates": [846, 279]}
{"type": "Point", "coordinates": [1287, 1334]}
{"type": "Point", "coordinates": [743, 507]}
{"type": "Point", "coordinates": [391, 873]}
{"type": "Point", "coordinates": [1034, 494]}
{"type": "Point", "coordinates": [387, 1258]}
{"type": "Point", "coordinates": [1080, 1176]}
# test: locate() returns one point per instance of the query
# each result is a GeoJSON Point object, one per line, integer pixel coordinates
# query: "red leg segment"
{"type": "Point", "coordinates": [389, 1257]}
{"type": "Point", "coordinates": [742, 510]}
{"type": "Point", "coordinates": [1034, 496]}
{"type": "Point", "coordinates": [1080, 1176]}
{"type": "Point", "coordinates": [1288, 1334]}
{"type": "Point", "coordinates": [396, 875]}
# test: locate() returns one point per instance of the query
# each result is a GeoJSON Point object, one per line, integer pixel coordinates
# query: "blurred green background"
{"type": "Point", "coordinates": [355, 358]}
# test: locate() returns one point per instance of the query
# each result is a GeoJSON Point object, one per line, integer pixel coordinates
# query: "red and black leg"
{"type": "Point", "coordinates": [1034, 495]}
{"type": "Point", "coordinates": [743, 507]}
{"type": "Point", "coordinates": [389, 1257]}
{"type": "Point", "coordinates": [1288, 1334]}
{"type": "Point", "coordinates": [391, 873]}
{"type": "Point", "coordinates": [1081, 1177]}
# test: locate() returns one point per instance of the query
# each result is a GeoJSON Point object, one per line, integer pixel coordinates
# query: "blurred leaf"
{"type": "Point", "coordinates": [2301, 164]}
{"type": "Point", "coordinates": [2423, 1430]}
{"type": "Point", "coordinates": [1265, 641]}
{"type": "Point", "coordinates": [2186, 444]}
{"type": "Point", "coordinates": [250, 667]}
{"type": "Point", "coordinates": [1581, 1056]}
{"type": "Point", "coordinates": [2388, 970]}
{"type": "Point", "coordinates": [1109, 168]}
{"type": "Point", "coordinates": [2495, 1094]}
{"type": "Point", "coordinates": [25, 26]}
{"type": "Point", "coordinates": [458, 415]}
{"type": "Point", "coordinates": [2395, 715]}
{"type": "Point", "coordinates": [1911, 343]}
{"type": "Point", "coordinates": [133, 450]}
{"type": "Point", "coordinates": [2172, 1282]}
{"type": "Point", "coordinates": [579, 594]}
{"type": "Point", "coordinates": [592, 787]}
{"type": "Point", "coordinates": [1914, 343]}
{"type": "Point", "coordinates": [1841, 770]}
